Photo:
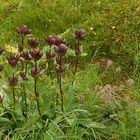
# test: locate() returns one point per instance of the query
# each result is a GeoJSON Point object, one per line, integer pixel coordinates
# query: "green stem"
{"type": "Point", "coordinates": [13, 90]}
{"type": "Point", "coordinates": [35, 90]}
{"type": "Point", "coordinates": [61, 92]}
{"type": "Point", "coordinates": [57, 95]}
{"type": "Point", "coordinates": [24, 92]}
{"type": "Point", "coordinates": [76, 64]}
{"type": "Point", "coordinates": [77, 59]}
{"type": "Point", "coordinates": [25, 99]}
{"type": "Point", "coordinates": [22, 40]}
{"type": "Point", "coordinates": [60, 86]}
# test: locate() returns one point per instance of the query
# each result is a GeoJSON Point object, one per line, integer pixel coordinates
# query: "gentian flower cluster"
{"type": "Point", "coordinates": [79, 35]}
{"type": "Point", "coordinates": [29, 57]}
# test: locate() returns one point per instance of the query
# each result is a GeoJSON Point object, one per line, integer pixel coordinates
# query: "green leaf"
{"type": "Point", "coordinates": [70, 120]}
{"type": "Point", "coordinates": [83, 54]}
{"type": "Point", "coordinates": [65, 33]}
{"type": "Point", "coordinates": [5, 120]}
{"type": "Point", "coordinates": [70, 52]}
{"type": "Point", "coordinates": [96, 125]}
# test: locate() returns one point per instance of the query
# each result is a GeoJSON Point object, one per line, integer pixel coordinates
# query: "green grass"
{"type": "Point", "coordinates": [112, 33]}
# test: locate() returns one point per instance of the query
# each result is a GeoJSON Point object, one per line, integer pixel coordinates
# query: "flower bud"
{"type": "Point", "coordinates": [50, 55]}
{"type": "Point", "coordinates": [23, 30]}
{"type": "Point", "coordinates": [13, 60]}
{"type": "Point", "coordinates": [23, 76]}
{"type": "Point", "coordinates": [33, 42]}
{"type": "Point", "coordinates": [35, 71]}
{"type": "Point", "coordinates": [36, 54]}
{"type": "Point", "coordinates": [25, 55]}
{"type": "Point", "coordinates": [61, 69]}
{"type": "Point", "coordinates": [50, 40]}
{"type": "Point", "coordinates": [79, 34]}
{"type": "Point", "coordinates": [78, 50]}
{"type": "Point", "coordinates": [1, 50]}
{"type": "Point", "coordinates": [58, 40]}
{"type": "Point", "coordinates": [20, 47]}
{"type": "Point", "coordinates": [61, 48]}
{"type": "Point", "coordinates": [13, 81]}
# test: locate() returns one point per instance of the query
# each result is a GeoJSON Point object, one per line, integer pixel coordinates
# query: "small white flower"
{"type": "Point", "coordinates": [113, 27]}
{"type": "Point", "coordinates": [109, 63]}
{"type": "Point", "coordinates": [91, 28]}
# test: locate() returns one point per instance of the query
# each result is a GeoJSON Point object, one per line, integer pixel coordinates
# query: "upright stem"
{"type": "Point", "coordinates": [77, 59]}
{"type": "Point", "coordinates": [49, 64]}
{"type": "Point", "coordinates": [76, 64]}
{"type": "Point", "coordinates": [35, 90]}
{"type": "Point", "coordinates": [25, 99]}
{"type": "Point", "coordinates": [23, 84]}
{"type": "Point", "coordinates": [60, 86]}
{"type": "Point", "coordinates": [13, 90]}
{"type": "Point", "coordinates": [24, 91]}
{"type": "Point", "coordinates": [57, 96]}
{"type": "Point", "coordinates": [61, 92]}
{"type": "Point", "coordinates": [22, 40]}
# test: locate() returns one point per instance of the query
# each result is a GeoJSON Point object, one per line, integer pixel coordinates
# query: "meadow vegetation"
{"type": "Point", "coordinates": [69, 70]}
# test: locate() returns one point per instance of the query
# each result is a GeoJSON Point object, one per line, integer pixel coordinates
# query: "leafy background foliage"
{"type": "Point", "coordinates": [112, 28]}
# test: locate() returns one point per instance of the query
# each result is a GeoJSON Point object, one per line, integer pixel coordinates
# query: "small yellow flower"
{"type": "Point", "coordinates": [115, 136]}
{"type": "Point", "coordinates": [10, 48]}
